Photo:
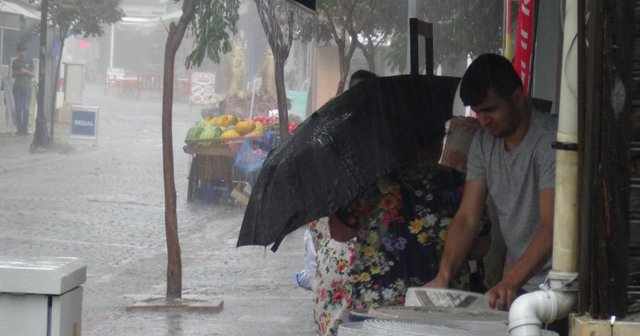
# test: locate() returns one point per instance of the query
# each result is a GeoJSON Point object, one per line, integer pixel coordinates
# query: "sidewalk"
{"type": "Point", "coordinates": [104, 203]}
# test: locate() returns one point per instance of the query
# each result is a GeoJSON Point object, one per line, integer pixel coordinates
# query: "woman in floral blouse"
{"type": "Point", "coordinates": [400, 226]}
{"type": "Point", "coordinates": [332, 293]}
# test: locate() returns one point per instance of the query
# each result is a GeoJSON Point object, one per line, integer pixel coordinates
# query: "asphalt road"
{"type": "Point", "coordinates": [103, 201]}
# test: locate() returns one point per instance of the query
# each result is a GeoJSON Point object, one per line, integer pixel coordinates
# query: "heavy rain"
{"type": "Point", "coordinates": [179, 167]}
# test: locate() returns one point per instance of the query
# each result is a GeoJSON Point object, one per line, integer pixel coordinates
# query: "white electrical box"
{"type": "Point", "coordinates": [41, 296]}
{"type": "Point", "coordinates": [73, 81]}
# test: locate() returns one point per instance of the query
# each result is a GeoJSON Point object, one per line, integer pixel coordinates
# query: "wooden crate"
{"type": "Point", "coordinates": [214, 167]}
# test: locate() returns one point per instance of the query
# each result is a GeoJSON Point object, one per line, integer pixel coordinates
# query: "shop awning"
{"type": "Point", "coordinates": [12, 12]}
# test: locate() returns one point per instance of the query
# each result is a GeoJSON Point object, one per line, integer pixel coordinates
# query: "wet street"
{"type": "Point", "coordinates": [104, 202]}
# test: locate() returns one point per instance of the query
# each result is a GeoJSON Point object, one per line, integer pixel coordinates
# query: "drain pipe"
{"type": "Point", "coordinates": [556, 298]}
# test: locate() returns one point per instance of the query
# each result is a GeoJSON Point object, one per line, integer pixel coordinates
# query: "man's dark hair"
{"type": "Point", "coordinates": [488, 71]}
{"type": "Point", "coordinates": [21, 47]}
{"type": "Point", "coordinates": [360, 76]}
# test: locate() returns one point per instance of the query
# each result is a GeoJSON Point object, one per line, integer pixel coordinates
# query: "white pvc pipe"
{"type": "Point", "coordinates": [565, 237]}
{"type": "Point", "coordinates": [565, 217]}
{"type": "Point", "coordinates": [529, 311]}
{"type": "Point", "coordinates": [568, 104]}
{"type": "Point", "coordinates": [565, 234]}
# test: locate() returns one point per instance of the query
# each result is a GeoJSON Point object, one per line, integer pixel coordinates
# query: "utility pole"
{"type": "Point", "coordinates": [40, 135]}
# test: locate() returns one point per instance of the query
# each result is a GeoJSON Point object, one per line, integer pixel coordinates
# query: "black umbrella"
{"type": "Point", "coordinates": [341, 150]}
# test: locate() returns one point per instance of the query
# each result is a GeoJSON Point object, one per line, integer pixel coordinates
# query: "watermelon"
{"type": "Point", "coordinates": [203, 124]}
{"type": "Point", "coordinates": [210, 132]}
{"type": "Point", "coordinates": [194, 133]}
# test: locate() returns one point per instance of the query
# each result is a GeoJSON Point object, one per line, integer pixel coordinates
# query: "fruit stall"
{"type": "Point", "coordinates": [227, 154]}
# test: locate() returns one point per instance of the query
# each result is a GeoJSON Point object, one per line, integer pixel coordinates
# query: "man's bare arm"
{"type": "Point", "coordinates": [462, 232]}
{"type": "Point", "coordinates": [535, 256]}
{"type": "Point", "coordinates": [339, 231]}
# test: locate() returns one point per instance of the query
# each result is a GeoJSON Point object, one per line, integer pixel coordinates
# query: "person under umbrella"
{"type": "Point", "coordinates": [400, 225]}
{"type": "Point", "coordinates": [334, 260]}
{"type": "Point", "coordinates": [341, 150]}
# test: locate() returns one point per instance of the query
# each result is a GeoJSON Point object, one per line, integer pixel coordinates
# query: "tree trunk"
{"type": "Point", "coordinates": [56, 81]}
{"type": "Point", "coordinates": [280, 46]}
{"type": "Point", "coordinates": [369, 53]}
{"type": "Point", "coordinates": [344, 58]}
{"type": "Point", "coordinates": [174, 261]}
{"type": "Point", "coordinates": [40, 135]}
{"type": "Point", "coordinates": [371, 61]}
{"type": "Point", "coordinates": [344, 69]}
{"type": "Point", "coordinates": [283, 111]}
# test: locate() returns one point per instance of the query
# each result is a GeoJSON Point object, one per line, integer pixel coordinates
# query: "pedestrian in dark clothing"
{"type": "Point", "coordinates": [22, 70]}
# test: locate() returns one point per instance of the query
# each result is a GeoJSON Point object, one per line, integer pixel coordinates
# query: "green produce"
{"type": "Point", "coordinates": [194, 133]}
{"type": "Point", "coordinates": [210, 132]}
{"type": "Point", "coordinates": [203, 124]}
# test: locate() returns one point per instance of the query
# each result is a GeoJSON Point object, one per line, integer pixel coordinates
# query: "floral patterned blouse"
{"type": "Point", "coordinates": [404, 221]}
{"type": "Point", "coordinates": [332, 293]}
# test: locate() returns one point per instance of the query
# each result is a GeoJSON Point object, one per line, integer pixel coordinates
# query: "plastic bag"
{"type": "Point", "coordinates": [250, 157]}
{"type": "Point", "coordinates": [306, 278]}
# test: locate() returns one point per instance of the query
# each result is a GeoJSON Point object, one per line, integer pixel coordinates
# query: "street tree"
{"type": "Point", "coordinates": [377, 29]}
{"type": "Point", "coordinates": [352, 24]}
{"type": "Point", "coordinates": [210, 23]}
{"type": "Point", "coordinates": [340, 21]}
{"type": "Point", "coordinates": [277, 19]}
{"type": "Point", "coordinates": [461, 29]}
{"type": "Point", "coordinates": [72, 18]}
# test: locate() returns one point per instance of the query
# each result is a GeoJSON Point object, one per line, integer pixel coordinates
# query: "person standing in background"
{"type": "Point", "coordinates": [22, 70]}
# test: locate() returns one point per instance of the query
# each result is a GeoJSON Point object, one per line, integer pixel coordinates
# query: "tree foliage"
{"type": "Point", "coordinates": [211, 28]}
{"type": "Point", "coordinates": [461, 28]}
{"type": "Point", "coordinates": [69, 17]}
{"type": "Point", "coordinates": [341, 21]}
{"type": "Point", "coordinates": [354, 24]}
{"type": "Point", "coordinates": [377, 29]}
{"type": "Point", "coordinates": [84, 17]}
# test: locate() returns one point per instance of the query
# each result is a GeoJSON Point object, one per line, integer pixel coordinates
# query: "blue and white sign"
{"type": "Point", "coordinates": [84, 122]}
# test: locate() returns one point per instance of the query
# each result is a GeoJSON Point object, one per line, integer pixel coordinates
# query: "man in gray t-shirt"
{"type": "Point", "coordinates": [511, 159]}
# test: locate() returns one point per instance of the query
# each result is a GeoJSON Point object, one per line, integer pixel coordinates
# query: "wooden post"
{"type": "Point", "coordinates": [610, 218]}
{"type": "Point", "coordinates": [419, 29]}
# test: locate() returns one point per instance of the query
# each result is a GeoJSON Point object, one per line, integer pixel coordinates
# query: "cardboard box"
{"type": "Point", "coordinates": [63, 114]}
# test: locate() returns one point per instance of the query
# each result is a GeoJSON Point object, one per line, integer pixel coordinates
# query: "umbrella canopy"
{"type": "Point", "coordinates": [341, 150]}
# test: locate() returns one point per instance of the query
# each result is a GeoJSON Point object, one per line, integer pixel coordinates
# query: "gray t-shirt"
{"type": "Point", "coordinates": [22, 81]}
{"type": "Point", "coordinates": [514, 179]}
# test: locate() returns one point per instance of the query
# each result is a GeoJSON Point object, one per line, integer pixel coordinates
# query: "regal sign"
{"type": "Point", "coordinates": [84, 122]}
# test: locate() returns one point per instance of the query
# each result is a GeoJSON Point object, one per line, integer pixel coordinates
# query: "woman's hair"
{"type": "Point", "coordinates": [488, 71]}
{"type": "Point", "coordinates": [360, 76]}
